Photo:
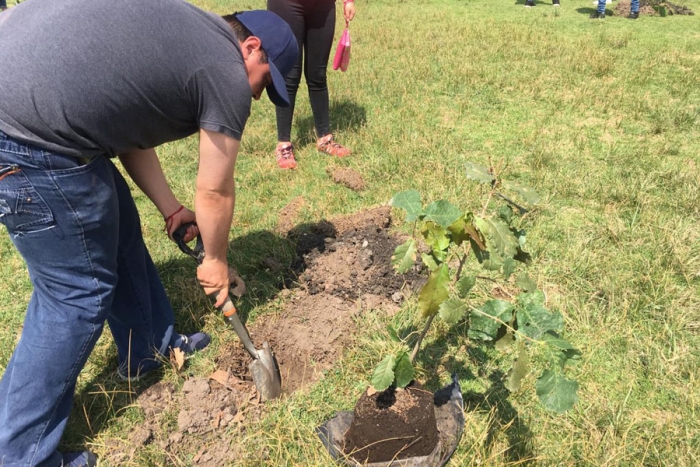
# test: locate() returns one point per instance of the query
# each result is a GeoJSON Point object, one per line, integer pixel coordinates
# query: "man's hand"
{"type": "Point", "coordinates": [178, 218]}
{"type": "Point", "coordinates": [213, 276]}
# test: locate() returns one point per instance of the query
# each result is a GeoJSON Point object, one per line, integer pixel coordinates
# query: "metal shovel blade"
{"type": "Point", "coordinates": [264, 367]}
{"type": "Point", "coordinates": [266, 375]}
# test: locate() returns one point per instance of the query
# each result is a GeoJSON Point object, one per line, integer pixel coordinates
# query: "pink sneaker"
{"type": "Point", "coordinates": [285, 156]}
{"type": "Point", "coordinates": [328, 146]}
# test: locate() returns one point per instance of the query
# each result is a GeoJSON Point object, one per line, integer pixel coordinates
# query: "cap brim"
{"type": "Point", "coordinates": [277, 91]}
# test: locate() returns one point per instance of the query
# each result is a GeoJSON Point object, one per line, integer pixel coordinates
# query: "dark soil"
{"type": "Point", "coordinates": [393, 424]}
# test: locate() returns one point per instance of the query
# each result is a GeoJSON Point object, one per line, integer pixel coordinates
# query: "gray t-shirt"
{"type": "Point", "coordinates": [88, 77]}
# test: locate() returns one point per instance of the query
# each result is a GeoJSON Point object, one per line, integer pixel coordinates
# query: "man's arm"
{"type": "Point", "coordinates": [145, 170]}
{"type": "Point", "coordinates": [214, 203]}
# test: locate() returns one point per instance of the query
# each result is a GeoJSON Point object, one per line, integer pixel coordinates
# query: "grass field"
{"type": "Point", "coordinates": [601, 117]}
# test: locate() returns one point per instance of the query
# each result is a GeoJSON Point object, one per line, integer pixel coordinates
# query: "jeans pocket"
{"type": "Point", "coordinates": [22, 210]}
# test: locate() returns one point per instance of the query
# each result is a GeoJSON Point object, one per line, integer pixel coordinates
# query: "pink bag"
{"type": "Point", "coordinates": [342, 53]}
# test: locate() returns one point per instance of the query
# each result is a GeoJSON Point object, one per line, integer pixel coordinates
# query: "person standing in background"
{"type": "Point", "coordinates": [313, 25]}
{"type": "Point", "coordinates": [600, 11]}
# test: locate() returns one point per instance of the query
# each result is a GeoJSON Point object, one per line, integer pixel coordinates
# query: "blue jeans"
{"type": "Point", "coordinates": [634, 6]}
{"type": "Point", "coordinates": [78, 230]}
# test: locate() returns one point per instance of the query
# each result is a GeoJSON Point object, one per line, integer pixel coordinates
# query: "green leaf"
{"type": "Point", "coordinates": [484, 325]}
{"type": "Point", "coordinates": [524, 282]}
{"type": "Point", "coordinates": [452, 310]}
{"type": "Point", "coordinates": [478, 173]}
{"type": "Point", "coordinates": [557, 342]}
{"type": "Point", "coordinates": [436, 238]}
{"type": "Point", "coordinates": [393, 334]}
{"type": "Point", "coordinates": [465, 285]}
{"type": "Point", "coordinates": [521, 366]}
{"type": "Point", "coordinates": [409, 201]}
{"type": "Point", "coordinates": [505, 342]}
{"type": "Point", "coordinates": [533, 318]}
{"type": "Point", "coordinates": [403, 371]}
{"type": "Point", "coordinates": [434, 292]}
{"type": "Point", "coordinates": [499, 238]}
{"type": "Point", "coordinates": [559, 358]}
{"type": "Point", "coordinates": [383, 375]}
{"type": "Point", "coordinates": [526, 192]}
{"type": "Point", "coordinates": [429, 261]}
{"type": "Point", "coordinates": [490, 261]}
{"type": "Point", "coordinates": [404, 256]}
{"type": "Point", "coordinates": [505, 212]}
{"type": "Point", "coordinates": [556, 392]}
{"type": "Point", "coordinates": [508, 267]}
{"type": "Point", "coordinates": [461, 231]}
{"type": "Point", "coordinates": [442, 213]}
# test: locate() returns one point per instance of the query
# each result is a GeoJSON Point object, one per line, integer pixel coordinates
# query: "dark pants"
{"type": "Point", "coordinates": [313, 24]}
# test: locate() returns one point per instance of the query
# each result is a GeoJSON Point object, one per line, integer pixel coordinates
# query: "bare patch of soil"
{"type": "Point", "coordinates": [343, 268]}
{"type": "Point", "coordinates": [347, 177]}
{"type": "Point", "coordinates": [646, 8]}
{"type": "Point", "coordinates": [208, 416]}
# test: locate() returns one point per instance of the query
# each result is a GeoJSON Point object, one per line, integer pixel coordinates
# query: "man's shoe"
{"type": "Point", "coordinates": [285, 157]}
{"type": "Point", "coordinates": [190, 343]}
{"type": "Point", "coordinates": [597, 15]}
{"type": "Point", "coordinates": [328, 146]}
{"type": "Point", "coordinates": [529, 3]}
{"type": "Point", "coordinates": [79, 459]}
{"type": "Point", "coordinates": [633, 15]}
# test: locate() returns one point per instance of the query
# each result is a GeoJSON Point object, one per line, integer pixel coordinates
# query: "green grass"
{"type": "Point", "coordinates": [601, 117]}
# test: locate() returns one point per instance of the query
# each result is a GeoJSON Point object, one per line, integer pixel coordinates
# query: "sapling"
{"type": "Point", "coordinates": [492, 238]}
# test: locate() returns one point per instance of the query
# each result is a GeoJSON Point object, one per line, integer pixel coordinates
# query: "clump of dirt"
{"type": "Point", "coordinates": [347, 177]}
{"type": "Point", "coordinates": [288, 214]}
{"type": "Point", "coordinates": [646, 8]}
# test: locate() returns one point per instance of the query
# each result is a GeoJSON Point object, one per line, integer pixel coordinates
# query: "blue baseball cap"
{"type": "Point", "coordinates": [279, 44]}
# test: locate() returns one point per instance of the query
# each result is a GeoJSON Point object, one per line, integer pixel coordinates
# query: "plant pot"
{"type": "Point", "coordinates": [392, 424]}
{"type": "Point", "coordinates": [366, 437]}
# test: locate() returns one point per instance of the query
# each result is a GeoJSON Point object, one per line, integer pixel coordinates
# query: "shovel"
{"type": "Point", "coordinates": [264, 367]}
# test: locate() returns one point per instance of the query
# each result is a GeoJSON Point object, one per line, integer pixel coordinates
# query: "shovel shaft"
{"type": "Point", "coordinates": [229, 311]}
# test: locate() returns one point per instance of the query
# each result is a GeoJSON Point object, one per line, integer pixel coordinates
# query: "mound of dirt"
{"type": "Point", "coordinates": [345, 269]}
{"type": "Point", "coordinates": [646, 8]}
{"type": "Point", "coordinates": [347, 177]}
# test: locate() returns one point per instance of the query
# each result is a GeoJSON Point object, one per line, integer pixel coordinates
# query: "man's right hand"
{"type": "Point", "coordinates": [213, 276]}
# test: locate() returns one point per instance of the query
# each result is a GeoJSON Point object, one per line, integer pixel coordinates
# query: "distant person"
{"type": "Point", "coordinates": [531, 3]}
{"type": "Point", "coordinates": [313, 24]}
{"type": "Point", "coordinates": [600, 12]}
{"type": "Point", "coordinates": [133, 75]}
{"type": "Point", "coordinates": [3, 5]}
